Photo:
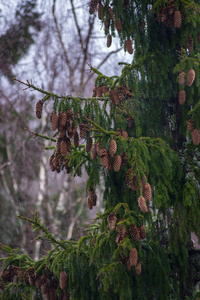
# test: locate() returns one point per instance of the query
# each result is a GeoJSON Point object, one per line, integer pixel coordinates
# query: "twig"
{"type": "Point", "coordinates": [40, 135]}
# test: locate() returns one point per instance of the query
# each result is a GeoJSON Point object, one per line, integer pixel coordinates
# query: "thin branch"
{"type": "Point", "coordinates": [5, 165]}
{"type": "Point", "coordinates": [77, 26]}
{"type": "Point", "coordinates": [100, 128]}
{"type": "Point", "coordinates": [101, 63]}
{"type": "Point", "coordinates": [40, 135]}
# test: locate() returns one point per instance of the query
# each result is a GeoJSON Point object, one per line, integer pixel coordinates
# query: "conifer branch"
{"type": "Point", "coordinates": [100, 128]}
{"type": "Point", "coordinates": [37, 225]}
{"type": "Point", "coordinates": [40, 135]}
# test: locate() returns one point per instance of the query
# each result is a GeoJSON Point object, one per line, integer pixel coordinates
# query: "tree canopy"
{"type": "Point", "coordinates": [140, 131]}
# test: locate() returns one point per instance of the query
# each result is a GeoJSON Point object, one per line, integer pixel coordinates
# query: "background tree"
{"type": "Point", "coordinates": [144, 127]}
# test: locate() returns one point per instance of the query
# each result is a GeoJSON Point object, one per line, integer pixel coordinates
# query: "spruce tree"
{"type": "Point", "coordinates": [141, 132]}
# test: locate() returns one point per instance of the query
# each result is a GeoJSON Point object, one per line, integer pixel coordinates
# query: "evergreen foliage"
{"type": "Point", "coordinates": [157, 149]}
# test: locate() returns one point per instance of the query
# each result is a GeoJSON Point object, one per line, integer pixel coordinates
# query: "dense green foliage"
{"type": "Point", "coordinates": [159, 151]}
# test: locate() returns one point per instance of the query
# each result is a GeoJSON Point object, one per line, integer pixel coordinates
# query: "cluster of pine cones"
{"type": "Point", "coordinates": [189, 81]}
{"type": "Point", "coordinates": [117, 96]}
{"type": "Point", "coordinates": [109, 158]}
{"type": "Point", "coordinates": [135, 233]}
{"type": "Point", "coordinates": [170, 16]}
{"type": "Point", "coordinates": [194, 132]}
{"type": "Point", "coordinates": [47, 284]}
{"type": "Point", "coordinates": [109, 16]}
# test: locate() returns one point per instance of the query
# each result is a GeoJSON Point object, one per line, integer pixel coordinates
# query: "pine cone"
{"type": "Point", "coordinates": [31, 275]}
{"type": "Point", "coordinates": [142, 232]}
{"type": "Point", "coordinates": [110, 11]}
{"type": "Point", "coordinates": [134, 232]}
{"type": "Point", "coordinates": [89, 203]}
{"type": "Point", "coordinates": [100, 11]}
{"type": "Point", "coordinates": [99, 91]}
{"type": "Point", "coordinates": [62, 121]}
{"type": "Point", "coordinates": [124, 134]}
{"type": "Point", "coordinates": [63, 280]}
{"type": "Point", "coordinates": [38, 109]}
{"type": "Point", "coordinates": [109, 40]}
{"type": "Point", "coordinates": [118, 25]}
{"type": "Point", "coordinates": [112, 221]}
{"type": "Point", "coordinates": [190, 125]}
{"type": "Point", "coordinates": [129, 121]}
{"type": "Point", "coordinates": [64, 148]}
{"type": "Point", "coordinates": [58, 143]}
{"type": "Point", "coordinates": [147, 192]}
{"type": "Point", "coordinates": [138, 268]}
{"type": "Point", "coordinates": [114, 97]}
{"type": "Point", "coordinates": [105, 89]}
{"type": "Point", "coordinates": [117, 163]}
{"type": "Point", "coordinates": [62, 133]}
{"type": "Point", "coordinates": [190, 44]}
{"type": "Point", "coordinates": [142, 204]}
{"type": "Point", "coordinates": [124, 158]}
{"type": "Point", "coordinates": [52, 293]}
{"type": "Point", "coordinates": [88, 144]}
{"type": "Point", "coordinates": [195, 137]}
{"type": "Point", "coordinates": [198, 38]}
{"type": "Point", "coordinates": [25, 277]}
{"type": "Point", "coordinates": [128, 45]}
{"type": "Point", "coordinates": [131, 180]}
{"type": "Point", "coordinates": [45, 284]}
{"type": "Point", "coordinates": [190, 77]}
{"type": "Point", "coordinates": [54, 123]}
{"type": "Point", "coordinates": [76, 139]}
{"type": "Point", "coordinates": [94, 92]}
{"type": "Point", "coordinates": [20, 274]}
{"type": "Point", "coordinates": [92, 196]}
{"type": "Point", "coordinates": [38, 280]}
{"type": "Point", "coordinates": [133, 257]}
{"type": "Point", "coordinates": [93, 152]}
{"type": "Point", "coordinates": [177, 19]}
{"type": "Point", "coordinates": [70, 115]}
{"type": "Point", "coordinates": [93, 5]}
{"type": "Point", "coordinates": [181, 97]}
{"type": "Point", "coordinates": [112, 147]}
{"type": "Point", "coordinates": [83, 130]}
{"type": "Point", "coordinates": [51, 165]}
{"type": "Point", "coordinates": [182, 78]}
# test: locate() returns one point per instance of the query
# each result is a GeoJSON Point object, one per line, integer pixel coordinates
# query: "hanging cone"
{"type": "Point", "coordinates": [62, 133]}
{"type": "Point", "coordinates": [110, 12]}
{"type": "Point", "coordinates": [105, 89]}
{"type": "Point", "coordinates": [181, 78]}
{"type": "Point", "coordinates": [118, 25]}
{"type": "Point", "coordinates": [98, 147]}
{"type": "Point", "coordinates": [92, 195]}
{"type": "Point", "coordinates": [117, 163]}
{"type": "Point", "coordinates": [147, 192]}
{"type": "Point", "coordinates": [66, 165]}
{"type": "Point", "coordinates": [128, 265]}
{"type": "Point", "coordinates": [25, 277]}
{"type": "Point", "coordinates": [38, 280]}
{"type": "Point", "coordinates": [93, 5]}
{"type": "Point", "coordinates": [134, 232]}
{"type": "Point", "coordinates": [58, 143]}
{"type": "Point", "coordinates": [109, 40]}
{"type": "Point", "coordinates": [20, 275]}
{"type": "Point", "coordinates": [133, 257]}
{"type": "Point", "coordinates": [119, 132]}
{"type": "Point", "coordinates": [100, 11]}
{"type": "Point", "coordinates": [99, 91]}
{"type": "Point", "coordinates": [31, 275]}
{"type": "Point", "coordinates": [177, 19]}
{"type": "Point", "coordinates": [124, 158]}
{"type": "Point", "coordinates": [93, 152]}
{"type": "Point", "coordinates": [190, 77]}
{"type": "Point", "coordinates": [70, 115]}
{"type": "Point", "coordinates": [62, 121]}
{"type": "Point", "coordinates": [190, 44]}
{"type": "Point", "coordinates": [64, 148]}
{"type": "Point", "coordinates": [38, 109]}
{"type": "Point", "coordinates": [89, 203]}
{"type": "Point", "coordinates": [54, 123]}
{"type": "Point", "coordinates": [129, 121]}
{"type": "Point", "coordinates": [83, 130]}
{"type": "Point", "coordinates": [181, 97]}
{"type": "Point", "coordinates": [63, 280]}
{"type": "Point", "coordinates": [45, 285]}
{"type": "Point", "coordinates": [104, 161]}
{"type": "Point", "coordinates": [52, 293]}
{"type": "Point", "coordinates": [121, 92]}
{"type": "Point", "coordinates": [195, 137]}
{"type": "Point", "coordinates": [128, 45]}
{"type": "Point", "coordinates": [112, 221]}
{"type": "Point", "coordinates": [142, 204]}
{"type": "Point", "coordinates": [190, 125]}
{"type": "Point", "coordinates": [138, 268]}
{"type": "Point", "coordinates": [94, 92]}
{"type": "Point", "coordinates": [124, 134]}
{"type": "Point", "coordinates": [142, 232]}
{"type": "Point", "coordinates": [51, 165]}
{"type": "Point", "coordinates": [114, 97]}
{"type": "Point", "coordinates": [88, 144]}
{"type": "Point", "coordinates": [76, 139]}
{"type": "Point", "coordinates": [112, 147]}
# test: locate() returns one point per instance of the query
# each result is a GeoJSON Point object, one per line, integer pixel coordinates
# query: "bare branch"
{"type": "Point", "coordinates": [77, 26]}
